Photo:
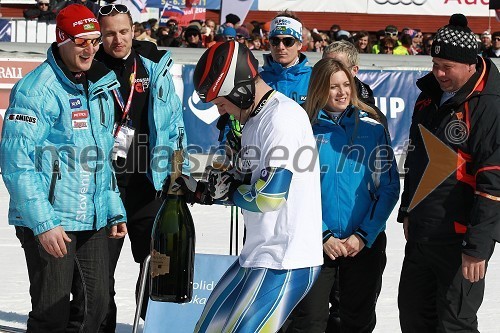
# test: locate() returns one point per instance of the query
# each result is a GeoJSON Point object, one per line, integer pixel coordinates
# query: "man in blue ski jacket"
{"type": "Point", "coordinates": [55, 161]}
{"type": "Point", "coordinates": [285, 69]}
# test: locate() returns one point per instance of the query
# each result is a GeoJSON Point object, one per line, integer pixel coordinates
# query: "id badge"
{"type": "Point", "coordinates": [123, 141]}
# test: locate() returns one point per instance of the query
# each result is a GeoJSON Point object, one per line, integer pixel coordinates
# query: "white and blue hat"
{"type": "Point", "coordinates": [283, 25]}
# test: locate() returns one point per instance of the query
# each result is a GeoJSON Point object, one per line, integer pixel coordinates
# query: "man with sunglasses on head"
{"type": "Point", "coordinates": [149, 114]}
{"type": "Point", "coordinates": [54, 156]}
{"type": "Point", "coordinates": [285, 69]}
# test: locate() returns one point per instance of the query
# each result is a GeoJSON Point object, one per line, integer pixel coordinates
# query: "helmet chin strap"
{"type": "Point", "coordinates": [248, 115]}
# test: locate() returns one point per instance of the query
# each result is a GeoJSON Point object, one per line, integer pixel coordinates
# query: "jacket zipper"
{"type": "Point", "coordinates": [373, 209]}
{"type": "Point", "coordinates": [56, 174]}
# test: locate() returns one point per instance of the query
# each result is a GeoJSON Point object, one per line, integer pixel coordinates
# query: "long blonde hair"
{"type": "Point", "coordinates": [319, 88]}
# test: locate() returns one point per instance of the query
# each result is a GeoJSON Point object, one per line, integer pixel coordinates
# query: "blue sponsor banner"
{"type": "Point", "coordinates": [5, 30]}
{"type": "Point", "coordinates": [200, 118]}
{"type": "Point", "coordinates": [182, 318]}
{"type": "Point", "coordinates": [395, 94]}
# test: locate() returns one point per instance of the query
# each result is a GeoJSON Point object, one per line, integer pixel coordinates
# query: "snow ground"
{"type": "Point", "coordinates": [212, 234]}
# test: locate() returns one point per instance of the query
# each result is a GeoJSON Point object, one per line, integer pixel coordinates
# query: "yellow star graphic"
{"type": "Point", "coordinates": [443, 162]}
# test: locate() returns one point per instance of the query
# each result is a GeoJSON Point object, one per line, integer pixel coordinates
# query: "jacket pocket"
{"type": "Point", "coordinates": [470, 299]}
{"type": "Point", "coordinates": [102, 112]}
{"type": "Point", "coordinates": [56, 175]}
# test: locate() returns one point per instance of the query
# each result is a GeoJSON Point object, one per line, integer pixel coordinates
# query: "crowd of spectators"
{"type": "Point", "coordinates": [199, 34]}
{"type": "Point", "coordinates": [203, 34]}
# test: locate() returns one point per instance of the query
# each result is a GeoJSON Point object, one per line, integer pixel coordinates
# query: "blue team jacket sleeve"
{"type": "Point", "coordinates": [116, 209]}
{"type": "Point", "coordinates": [386, 180]}
{"type": "Point", "coordinates": [165, 120]}
{"type": "Point", "coordinates": [267, 194]}
{"type": "Point", "coordinates": [327, 233]}
{"type": "Point", "coordinates": [20, 137]}
{"type": "Point", "coordinates": [177, 123]}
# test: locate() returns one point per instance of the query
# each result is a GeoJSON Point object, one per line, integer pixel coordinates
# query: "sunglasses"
{"type": "Point", "coordinates": [108, 9]}
{"type": "Point", "coordinates": [191, 35]}
{"type": "Point", "coordinates": [82, 42]}
{"type": "Point", "coordinates": [43, 4]}
{"type": "Point", "coordinates": [240, 36]}
{"type": "Point", "coordinates": [287, 41]}
{"type": "Point", "coordinates": [229, 37]}
{"type": "Point", "coordinates": [392, 34]}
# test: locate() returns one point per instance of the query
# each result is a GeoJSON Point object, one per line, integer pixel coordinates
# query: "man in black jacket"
{"type": "Point", "coordinates": [149, 115]}
{"type": "Point", "coordinates": [451, 200]}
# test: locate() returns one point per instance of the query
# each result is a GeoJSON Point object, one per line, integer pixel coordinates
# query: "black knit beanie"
{"type": "Point", "coordinates": [232, 18]}
{"type": "Point", "coordinates": [455, 42]}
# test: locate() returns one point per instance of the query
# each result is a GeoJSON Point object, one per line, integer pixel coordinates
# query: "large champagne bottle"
{"type": "Point", "coordinates": [172, 245]}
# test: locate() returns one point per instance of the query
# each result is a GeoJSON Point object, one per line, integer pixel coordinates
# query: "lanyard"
{"type": "Point", "coordinates": [125, 108]}
{"type": "Point", "coordinates": [262, 102]}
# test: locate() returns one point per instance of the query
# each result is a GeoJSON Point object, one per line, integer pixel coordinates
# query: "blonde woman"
{"type": "Point", "coordinates": [359, 188]}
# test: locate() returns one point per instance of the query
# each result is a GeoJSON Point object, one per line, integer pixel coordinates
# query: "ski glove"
{"type": "Point", "coordinates": [194, 191]}
{"type": "Point", "coordinates": [222, 184]}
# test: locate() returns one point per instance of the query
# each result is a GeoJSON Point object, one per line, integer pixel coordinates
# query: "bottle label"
{"type": "Point", "coordinates": [160, 264]}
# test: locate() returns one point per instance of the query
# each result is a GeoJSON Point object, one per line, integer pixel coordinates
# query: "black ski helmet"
{"type": "Point", "coordinates": [227, 70]}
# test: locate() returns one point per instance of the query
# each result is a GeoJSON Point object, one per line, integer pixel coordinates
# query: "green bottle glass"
{"type": "Point", "coordinates": [173, 246]}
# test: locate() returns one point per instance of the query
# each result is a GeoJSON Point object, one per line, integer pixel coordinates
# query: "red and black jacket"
{"type": "Point", "coordinates": [465, 206]}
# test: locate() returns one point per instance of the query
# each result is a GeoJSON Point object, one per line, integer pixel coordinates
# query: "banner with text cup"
{"type": "Point", "coordinates": [200, 118]}
{"type": "Point", "coordinates": [182, 318]}
{"type": "Point", "coordinates": [395, 94]}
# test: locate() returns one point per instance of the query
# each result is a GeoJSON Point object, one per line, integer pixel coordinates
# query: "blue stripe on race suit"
{"type": "Point", "coordinates": [255, 299]}
{"type": "Point", "coordinates": [267, 194]}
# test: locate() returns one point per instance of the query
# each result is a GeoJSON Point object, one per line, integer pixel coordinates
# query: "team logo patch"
{"type": "Point", "coordinates": [141, 85]}
{"type": "Point", "coordinates": [79, 119]}
{"type": "Point", "coordinates": [89, 26]}
{"type": "Point", "coordinates": [75, 103]}
{"type": "Point", "coordinates": [437, 49]}
{"type": "Point", "coordinates": [23, 118]}
{"type": "Point", "coordinates": [82, 114]}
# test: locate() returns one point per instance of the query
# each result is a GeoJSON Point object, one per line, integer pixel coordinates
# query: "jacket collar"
{"type": "Point", "coordinates": [273, 66]}
{"type": "Point", "coordinates": [346, 117]}
{"type": "Point", "coordinates": [97, 70]}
